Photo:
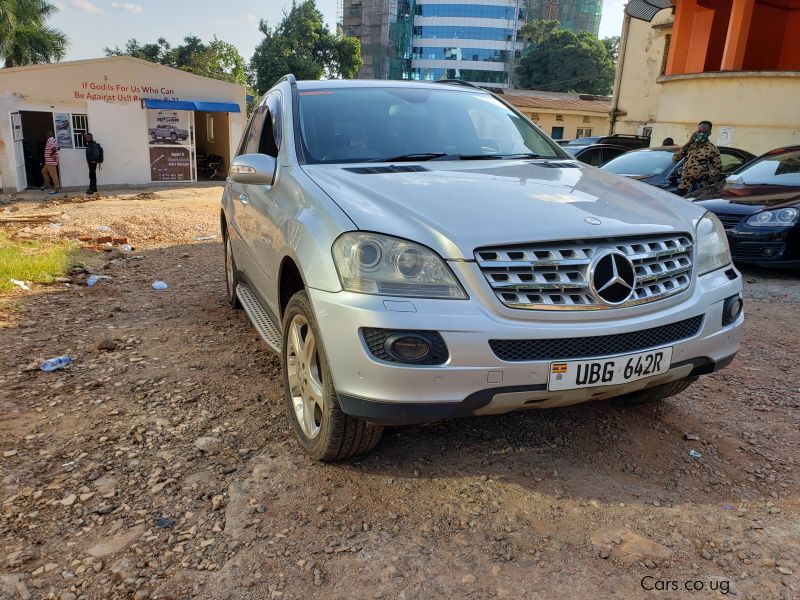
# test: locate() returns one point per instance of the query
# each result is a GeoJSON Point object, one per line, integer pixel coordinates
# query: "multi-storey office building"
{"type": "Point", "coordinates": [473, 40]}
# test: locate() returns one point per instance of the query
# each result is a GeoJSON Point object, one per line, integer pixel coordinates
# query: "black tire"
{"type": "Point", "coordinates": [173, 136]}
{"type": "Point", "coordinates": [339, 435]}
{"type": "Point", "coordinates": [153, 135]}
{"type": "Point", "coordinates": [231, 273]}
{"type": "Point", "coordinates": [657, 393]}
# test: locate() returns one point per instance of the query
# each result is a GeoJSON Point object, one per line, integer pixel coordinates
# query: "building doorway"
{"type": "Point", "coordinates": [35, 124]}
{"type": "Point", "coordinates": [212, 145]}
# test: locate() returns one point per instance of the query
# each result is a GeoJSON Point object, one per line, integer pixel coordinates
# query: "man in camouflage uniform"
{"type": "Point", "coordinates": [703, 165]}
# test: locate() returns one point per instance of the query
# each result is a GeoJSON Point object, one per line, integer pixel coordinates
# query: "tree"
{"type": "Point", "coordinates": [565, 62]}
{"type": "Point", "coordinates": [303, 45]}
{"type": "Point", "coordinates": [537, 31]}
{"type": "Point", "coordinates": [612, 45]}
{"type": "Point", "coordinates": [25, 39]}
{"type": "Point", "coordinates": [217, 59]}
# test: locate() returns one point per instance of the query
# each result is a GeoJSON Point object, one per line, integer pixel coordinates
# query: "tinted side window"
{"type": "Point", "coordinates": [730, 162]}
{"type": "Point", "coordinates": [271, 132]}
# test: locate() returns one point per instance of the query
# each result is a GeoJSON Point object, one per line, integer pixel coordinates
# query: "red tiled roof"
{"type": "Point", "coordinates": [527, 101]}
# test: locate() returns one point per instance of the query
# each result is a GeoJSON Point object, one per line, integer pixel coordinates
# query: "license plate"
{"type": "Point", "coordinates": [571, 375]}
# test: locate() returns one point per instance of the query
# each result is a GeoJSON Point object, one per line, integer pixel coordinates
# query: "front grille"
{"type": "Point", "coordinates": [555, 275]}
{"type": "Point", "coordinates": [729, 220]}
{"type": "Point", "coordinates": [599, 345]}
{"type": "Point", "coordinates": [375, 339]}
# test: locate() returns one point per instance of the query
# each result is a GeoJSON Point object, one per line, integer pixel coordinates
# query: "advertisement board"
{"type": "Point", "coordinates": [168, 128]}
{"type": "Point", "coordinates": [63, 129]}
{"type": "Point", "coordinates": [170, 164]}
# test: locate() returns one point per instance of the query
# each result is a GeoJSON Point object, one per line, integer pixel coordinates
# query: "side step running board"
{"type": "Point", "coordinates": [259, 317]}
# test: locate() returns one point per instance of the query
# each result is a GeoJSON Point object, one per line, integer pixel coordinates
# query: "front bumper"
{"type": "Point", "coordinates": [765, 246]}
{"type": "Point", "coordinates": [474, 380]}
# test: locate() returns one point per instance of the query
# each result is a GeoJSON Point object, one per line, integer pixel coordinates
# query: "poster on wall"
{"type": "Point", "coordinates": [170, 164]}
{"type": "Point", "coordinates": [168, 127]}
{"type": "Point", "coordinates": [63, 129]}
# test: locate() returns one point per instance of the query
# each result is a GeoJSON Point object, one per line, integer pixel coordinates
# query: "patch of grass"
{"type": "Point", "coordinates": [39, 262]}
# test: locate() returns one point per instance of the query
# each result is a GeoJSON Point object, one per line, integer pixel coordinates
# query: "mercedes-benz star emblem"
{"type": "Point", "coordinates": [612, 278]}
{"type": "Point", "coordinates": [593, 221]}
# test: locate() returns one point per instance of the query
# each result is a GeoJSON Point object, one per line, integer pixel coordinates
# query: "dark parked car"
{"type": "Point", "coordinates": [631, 142]}
{"type": "Point", "coordinates": [655, 166]}
{"type": "Point", "coordinates": [596, 154]}
{"type": "Point", "coordinates": [759, 206]}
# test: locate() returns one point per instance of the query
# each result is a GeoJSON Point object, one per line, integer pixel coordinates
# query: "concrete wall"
{"type": "Point", "coordinates": [572, 121]}
{"type": "Point", "coordinates": [639, 93]}
{"type": "Point", "coordinates": [759, 108]}
{"type": "Point", "coordinates": [109, 91]}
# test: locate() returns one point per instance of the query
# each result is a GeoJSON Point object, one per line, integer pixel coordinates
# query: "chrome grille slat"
{"type": "Point", "coordinates": [555, 275]}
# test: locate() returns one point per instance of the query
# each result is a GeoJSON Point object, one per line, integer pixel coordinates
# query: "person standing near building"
{"type": "Point", "coordinates": [703, 164]}
{"type": "Point", "coordinates": [50, 169]}
{"type": "Point", "coordinates": [94, 157]}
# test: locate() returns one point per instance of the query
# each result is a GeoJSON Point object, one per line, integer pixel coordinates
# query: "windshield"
{"type": "Point", "coordinates": [775, 169]}
{"type": "Point", "coordinates": [645, 164]}
{"type": "Point", "coordinates": [380, 124]}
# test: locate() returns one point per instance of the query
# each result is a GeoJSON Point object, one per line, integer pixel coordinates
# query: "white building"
{"type": "Point", "coordinates": [155, 123]}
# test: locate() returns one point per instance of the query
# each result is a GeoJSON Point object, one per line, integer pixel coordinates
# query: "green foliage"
{"type": "Point", "coordinates": [25, 39]}
{"type": "Point", "coordinates": [217, 59]}
{"type": "Point", "coordinates": [565, 62]}
{"type": "Point", "coordinates": [537, 31]}
{"type": "Point", "coordinates": [303, 45]}
{"type": "Point", "coordinates": [38, 262]}
{"type": "Point", "coordinates": [612, 45]}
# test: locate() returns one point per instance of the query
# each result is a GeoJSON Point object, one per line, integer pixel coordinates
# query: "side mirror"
{"type": "Point", "coordinates": [734, 182]}
{"type": "Point", "coordinates": [253, 169]}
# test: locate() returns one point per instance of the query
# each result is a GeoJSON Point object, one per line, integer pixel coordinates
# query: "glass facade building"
{"type": "Point", "coordinates": [472, 40]}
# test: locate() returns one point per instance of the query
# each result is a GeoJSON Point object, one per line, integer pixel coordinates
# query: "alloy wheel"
{"type": "Point", "coordinates": [304, 374]}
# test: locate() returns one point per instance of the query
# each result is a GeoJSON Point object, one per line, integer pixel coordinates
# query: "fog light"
{"type": "Point", "coordinates": [731, 309]}
{"type": "Point", "coordinates": [768, 251]}
{"type": "Point", "coordinates": [408, 348]}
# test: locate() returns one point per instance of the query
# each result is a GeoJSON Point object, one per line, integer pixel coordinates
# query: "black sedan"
{"type": "Point", "coordinates": [596, 154]}
{"type": "Point", "coordinates": [655, 166]}
{"type": "Point", "coordinates": [759, 206]}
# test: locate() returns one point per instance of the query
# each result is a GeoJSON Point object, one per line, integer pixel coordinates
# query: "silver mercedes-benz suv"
{"type": "Point", "coordinates": [420, 251]}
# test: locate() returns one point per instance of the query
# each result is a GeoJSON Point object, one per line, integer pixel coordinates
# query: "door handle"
{"type": "Point", "coordinates": [244, 199]}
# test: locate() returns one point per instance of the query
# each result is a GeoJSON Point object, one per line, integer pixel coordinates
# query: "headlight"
{"type": "Point", "coordinates": [781, 217]}
{"type": "Point", "coordinates": [712, 245]}
{"type": "Point", "coordinates": [370, 263]}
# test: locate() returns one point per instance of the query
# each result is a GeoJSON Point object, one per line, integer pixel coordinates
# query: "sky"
{"type": "Point", "coordinates": [92, 25]}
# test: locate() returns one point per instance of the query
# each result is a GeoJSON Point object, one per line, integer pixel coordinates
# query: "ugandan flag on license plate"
{"type": "Point", "coordinates": [558, 369]}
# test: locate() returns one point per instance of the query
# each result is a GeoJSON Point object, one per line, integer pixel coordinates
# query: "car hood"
{"type": "Point", "coordinates": [455, 207]}
{"type": "Point", "coordinates": [751, 198]}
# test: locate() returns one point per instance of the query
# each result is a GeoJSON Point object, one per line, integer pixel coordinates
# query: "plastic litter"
{"type": "Point", "coordinates": [21, 284]}
{"type": "Point", "coordinates": [126, 247]}
{"type": "Point", "coordinates": [53, 364]}
{"type": "Point", "coordinates": [95, 278]}
{"type": "Point", "coordinates": [727, 507]}
{"type": "Point", "coordinates": [159, 285]}
{"type": "Point", "coordinates": [103, 228]}
{"type": "Point", "coordinates": [694, 454]}
{"type": "Point", "coordinates": [163, 522]}
{"type": "Point", "coordinates": [204, 238]}
{"type": "Point", "coordinates": [55, 225]}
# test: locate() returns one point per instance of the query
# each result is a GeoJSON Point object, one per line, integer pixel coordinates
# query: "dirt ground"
{"type": "Point", "coordinates": [160, 464]}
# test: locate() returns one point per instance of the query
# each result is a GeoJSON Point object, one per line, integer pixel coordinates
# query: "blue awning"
{"type": "Point", "coordinates": [191, 105]}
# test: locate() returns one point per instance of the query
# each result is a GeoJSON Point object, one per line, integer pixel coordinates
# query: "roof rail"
{"type": "Point", "coordinates": [459, 82]}
{"type": "Point", "coordinates": [288, 77]}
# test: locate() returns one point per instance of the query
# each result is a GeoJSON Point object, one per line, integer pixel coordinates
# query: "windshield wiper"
{"type": "Point", "coordinates": [498, 156]}
{"type": "Point", "coordinates": [416, 157]}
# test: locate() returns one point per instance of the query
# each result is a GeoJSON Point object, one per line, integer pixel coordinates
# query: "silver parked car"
{"type": "Point", "coordinates": [421, 251]}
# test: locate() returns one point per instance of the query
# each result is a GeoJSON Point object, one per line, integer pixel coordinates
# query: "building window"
{"type": "Point", "coordinates": [584, 132]}
{"type": "Point", "coordinates": [535, 116]}
{"type": "Point", "coordinates": [559, 117]}
{"type": "Point", "coordinates": [210, 129]}
{"type": "Point", "coordinates": [665, 58]}
{"type": "Point", "coordinates": [80, 127]}
{"type": "Point", "coordinates": [586, 119]}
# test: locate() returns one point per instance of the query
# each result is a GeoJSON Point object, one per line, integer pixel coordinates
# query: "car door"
{"type": "Point", "coordinates": [240, 217]}
{"type": "Point", "coordinates": [261, 200]}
